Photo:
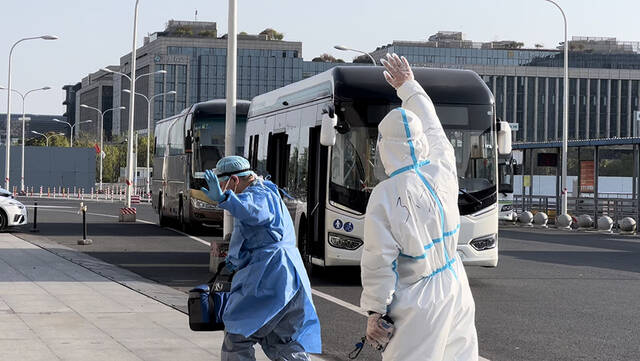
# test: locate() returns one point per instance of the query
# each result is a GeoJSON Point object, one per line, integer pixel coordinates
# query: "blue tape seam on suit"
{"type": "Point", "coordinates": [426, 183]}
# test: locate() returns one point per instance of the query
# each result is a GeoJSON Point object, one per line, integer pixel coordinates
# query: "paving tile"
{"type": "Point", "coordinates": [62, 325]}
{"type": "Point", "coordinates": [22, 303]}
{"type": "Point", "coordinates": [90, 302]}
{"type": "Point", "coordinates": [13, 328]}
{"type": "Point", "coordinates": [26, 350]}
{"type": "Point", "coordinates": [21, 288]}
{"type": "Point", "coordinates": [94, 350]}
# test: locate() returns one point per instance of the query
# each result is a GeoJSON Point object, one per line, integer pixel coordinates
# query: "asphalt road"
{"type": "Point", "coordinates": [555, 295]}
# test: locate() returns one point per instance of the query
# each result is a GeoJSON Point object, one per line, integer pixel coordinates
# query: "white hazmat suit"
{"type": "Point", "coordinates": [410, 267]}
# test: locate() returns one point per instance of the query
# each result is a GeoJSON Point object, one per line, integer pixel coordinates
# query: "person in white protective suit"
{"type": "Point", "coordinates": [410, 267]}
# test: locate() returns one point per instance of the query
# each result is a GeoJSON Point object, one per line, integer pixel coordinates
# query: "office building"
{"type": "Point", "coordinates": [527, 84]}
{"type": "Point", "coordinates": [194, 58]}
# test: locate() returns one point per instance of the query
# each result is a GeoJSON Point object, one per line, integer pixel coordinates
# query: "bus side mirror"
{"type": "Point", "coordinates": [328, 129]}
{"type": "Point", "coordinates": [504, 138]}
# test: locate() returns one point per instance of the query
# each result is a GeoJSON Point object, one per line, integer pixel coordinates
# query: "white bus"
{"type": "Point", "coordinates": [186, 145]}
{"type": "Point", "coordinates": [326, 188]}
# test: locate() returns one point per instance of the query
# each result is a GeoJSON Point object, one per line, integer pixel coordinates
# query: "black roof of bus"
{"type": "Point", "coordinates": [444, 86]}
{"type": "Point", "coordinates": [219, 106]}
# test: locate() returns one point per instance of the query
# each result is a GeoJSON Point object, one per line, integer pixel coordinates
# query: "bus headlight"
{"type": "Point", "coordinates": [506, 207]}
{"type": "Point", "coordinates": [344, 242]}
{"type": "Point", "coordinates": [484, 243]}
{"type": "Point", "coordinates": [200, 204]}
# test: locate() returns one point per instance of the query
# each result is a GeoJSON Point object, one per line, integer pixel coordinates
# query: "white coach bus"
{"type": "Point", "coordinates": [326, 188]}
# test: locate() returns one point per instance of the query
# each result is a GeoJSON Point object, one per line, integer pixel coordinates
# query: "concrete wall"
{"type": "Point", "coordinates": [52, 166]}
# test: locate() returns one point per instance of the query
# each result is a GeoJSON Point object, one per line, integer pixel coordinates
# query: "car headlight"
{"type": "Point", "coordinates": [201, 204]}
{"type": "Point", "coordinates": [506, 207]}
{"type": "Point", "coordinates": [344, 242]}
{"type": "Point", "coordinates": [16, 204]}
{"type": "Point", "coordinates": [484, 243]}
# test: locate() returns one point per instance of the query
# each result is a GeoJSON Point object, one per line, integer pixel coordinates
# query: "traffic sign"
{"type": "Point", "coordinates": [514, 126]}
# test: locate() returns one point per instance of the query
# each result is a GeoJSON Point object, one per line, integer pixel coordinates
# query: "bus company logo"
{"type": "Point", "coordinates": [337, 224]}
{"type": "Point", "coordinates": [348, 226]}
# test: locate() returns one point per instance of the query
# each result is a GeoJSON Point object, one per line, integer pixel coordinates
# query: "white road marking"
{"type": "Point", "coordinates": [339, 302]}
{"type": "Point", "coordinates": [192, 237]}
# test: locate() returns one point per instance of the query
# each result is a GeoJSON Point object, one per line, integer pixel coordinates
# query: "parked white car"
{"type": "Point", "coordinates": [12, 212]}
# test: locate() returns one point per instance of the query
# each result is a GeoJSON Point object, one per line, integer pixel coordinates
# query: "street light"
{"type": "Point", "coordinates": [71, 128]}
{"type": "Point", "coordinates": [231, 95]}
{"type": "Point", "coordinates": [344, 48]}
{"type": "Point", "coordinates": [101, 115]}
{"type": "Point", "coordinates": [8, 144]}
{"type": "Point", "coordinates": [46, 136]}
{"type": "Point", "coordinates": [132, 105]}
{"type": "Point", "coordinates": [23, 126]}
{"type": "Point", "coordinates": [149, 100]}
{"type": "Point", "coordinates": [564, 219]}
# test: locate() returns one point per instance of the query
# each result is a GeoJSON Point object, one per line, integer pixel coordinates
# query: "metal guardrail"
{"type": "Point", "coordinates": [615, 207]}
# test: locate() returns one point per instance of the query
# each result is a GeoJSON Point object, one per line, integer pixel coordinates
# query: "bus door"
{"type": "Point", "coordinates": [316, 194]}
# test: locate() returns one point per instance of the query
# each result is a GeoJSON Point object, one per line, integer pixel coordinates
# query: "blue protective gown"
{"type": "Point", "coordinates": [269, 269]}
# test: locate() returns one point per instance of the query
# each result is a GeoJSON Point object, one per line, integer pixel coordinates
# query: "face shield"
{"type": "Point", "coordinates": [378, 167]}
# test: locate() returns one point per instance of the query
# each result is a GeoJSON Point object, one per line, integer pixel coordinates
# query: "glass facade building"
{"type": "Point", "coordinates": [604, 83]}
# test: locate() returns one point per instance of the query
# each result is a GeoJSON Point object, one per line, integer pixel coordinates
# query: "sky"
{"type": "Point", "coordinates": [96, 33]}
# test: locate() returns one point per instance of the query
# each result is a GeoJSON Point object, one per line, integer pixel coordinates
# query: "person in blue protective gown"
{"type": "Point", "coordinates": [270, 301]}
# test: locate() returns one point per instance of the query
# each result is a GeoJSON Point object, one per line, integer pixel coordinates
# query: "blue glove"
{"type": "Point", "coordinates": [214, 192]}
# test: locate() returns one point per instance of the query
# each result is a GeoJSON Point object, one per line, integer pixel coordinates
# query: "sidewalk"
{"type": "Point", "coordinates": [55, 309]}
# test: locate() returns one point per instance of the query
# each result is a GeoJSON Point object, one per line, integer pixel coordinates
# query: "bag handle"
{"type": "Point", "coordinates": [221, 267]}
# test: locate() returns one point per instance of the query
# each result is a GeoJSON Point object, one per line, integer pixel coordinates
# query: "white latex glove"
{"type": "Point", "coordinates": [376, 335]}
{"type": "Point", "coordinates": [398, 70]}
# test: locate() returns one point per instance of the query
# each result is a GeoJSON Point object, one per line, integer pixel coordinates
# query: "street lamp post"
{"type": "Point", "coordinates": [132, 105]}
{"type": "Point", "coordinates": [566, 220]}
{"type": "Point", "coordinates": [24, 96]}
{"type": "Point", "coordinates": [230, 112]}
{"type": "Point", "coordinates": [344, 48]}
{"type": "Point", "coordinates": [71, 126]}
{"type": "Point", "coordinates": [149, 101]}
{"type": "Point", "coordinates": [8, 141]}
{"type": "Point", "coordinates": [46, 136]}
{"type": "Point", "coordinates": [101, 115]}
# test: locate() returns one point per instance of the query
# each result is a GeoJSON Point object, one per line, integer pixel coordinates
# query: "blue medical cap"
{"type": "Point", "coordinates": [232, 165]}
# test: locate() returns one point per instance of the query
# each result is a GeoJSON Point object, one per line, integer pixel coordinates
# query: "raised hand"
{"type": "Point", "coordinates": [214, 192]}
{"type": "Point", "coordinates": [398, 70]}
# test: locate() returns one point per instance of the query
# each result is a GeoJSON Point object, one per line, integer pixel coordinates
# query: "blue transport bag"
{"type": "Point", "coordinates": [207, 302]}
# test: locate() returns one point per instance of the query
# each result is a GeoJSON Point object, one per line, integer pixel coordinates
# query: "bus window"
{"type": "Point", "coordinates": [278, 159]}
{"type": "Point", "coordinates": [176, 137]}
{"type": "Point", "coordinates": [161, 138]}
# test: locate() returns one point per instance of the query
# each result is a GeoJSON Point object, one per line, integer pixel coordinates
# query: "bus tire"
{"type": "Point", "coordinates": [304, 247]}
{"type": "Point", "coordinates": [162, 220]}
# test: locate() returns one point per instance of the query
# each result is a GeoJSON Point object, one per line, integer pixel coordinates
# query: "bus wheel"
{"type": "Point", "coordinates": [162, 220]}
{"type": "Point", "coordinates": [304, 247]}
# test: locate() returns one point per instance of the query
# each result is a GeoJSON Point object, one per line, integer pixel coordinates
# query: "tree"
{"type": "Point", "coordinates": [142, 151]}
{"type": "Point", "coordinates": [55, 140]}
{"type": "Point", "coordinates": [326, 58]}
{"type": "Point", "coordinates": [364, 59]}
{"type": "Point", "coordinates": [272, 34]}
{"type": "Point", "coordinates": [243, 33]}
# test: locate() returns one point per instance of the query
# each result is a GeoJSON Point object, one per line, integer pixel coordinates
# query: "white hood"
{"type": "Point", "coordinates": [401, 141]}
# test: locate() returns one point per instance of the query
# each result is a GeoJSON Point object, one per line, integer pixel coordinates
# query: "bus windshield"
{"type": "Point", "coordinates": [208, 147]}
{"type": "Point", "coordinates": [469, 128]}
